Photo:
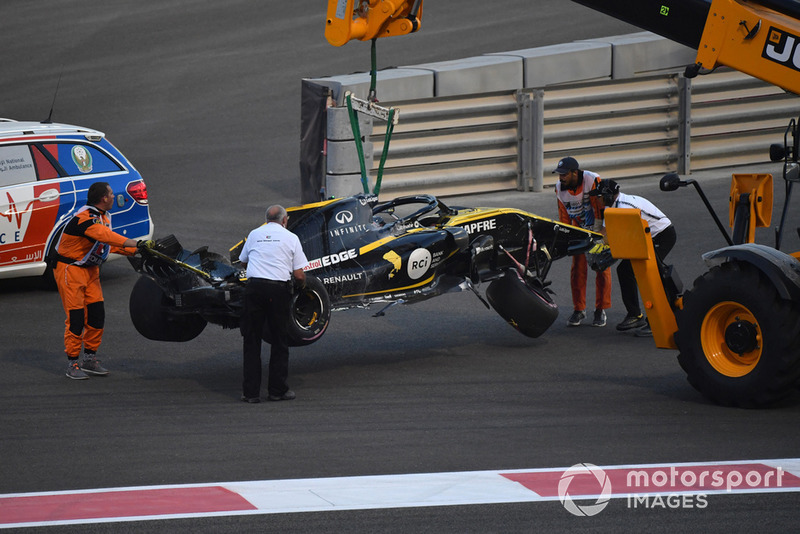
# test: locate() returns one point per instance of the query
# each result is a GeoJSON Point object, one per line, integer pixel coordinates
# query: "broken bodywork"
{"type": "Point", "coordinates": [363, 252]}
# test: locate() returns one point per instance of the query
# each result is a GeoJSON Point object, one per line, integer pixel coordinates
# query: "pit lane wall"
{"type": "Point", "coordinates": [501, 121]}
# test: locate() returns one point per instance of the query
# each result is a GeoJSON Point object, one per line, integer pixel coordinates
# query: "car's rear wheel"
{"type": "Point", "coordinates": [150, 312]}
{"type": "Point", "coordinates": [525, 306]}
{"type": "Point", "coordinates": [310, 314]}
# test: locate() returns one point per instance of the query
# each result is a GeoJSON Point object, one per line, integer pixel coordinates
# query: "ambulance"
{"type": "Point", "coordinates": [45, 172]}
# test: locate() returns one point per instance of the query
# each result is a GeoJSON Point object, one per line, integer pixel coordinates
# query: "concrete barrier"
{"type": "Point", "coordinates": [645, 53]}
{"type": "Point", "coordinates": [480, 74]}
{"type": "Point", "coordinates": [564, 63]}
{"type": "Point", "coordinates": [591, 60]}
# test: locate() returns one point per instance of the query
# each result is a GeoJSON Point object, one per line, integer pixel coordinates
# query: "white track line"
{"type": "Point", "coordinates": [391, 491]}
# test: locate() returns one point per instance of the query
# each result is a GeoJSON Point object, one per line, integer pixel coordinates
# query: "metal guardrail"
{"type": "Point", "coordinates": [618, 128]}
{"type": "Point", "coordinates": [615, 128]}
{"type": "Point", "coordinates": [452, 145]}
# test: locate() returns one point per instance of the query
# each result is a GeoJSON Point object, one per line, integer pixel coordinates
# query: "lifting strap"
{"type": "Point", "coordinates": [370, 107]}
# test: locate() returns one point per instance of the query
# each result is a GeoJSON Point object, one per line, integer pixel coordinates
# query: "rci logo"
{"type": "Point", "coordinates": [418, 263]}
{"type": "Point", "coordinates": [782, 47]}
{"type": "Point", "coordinates": [603, 484]}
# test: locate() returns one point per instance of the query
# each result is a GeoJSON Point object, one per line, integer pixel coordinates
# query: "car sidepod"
{"type": "Point", "coordinates": [388, 268]}
{"type": "Point", "coordinates": [360, 259]}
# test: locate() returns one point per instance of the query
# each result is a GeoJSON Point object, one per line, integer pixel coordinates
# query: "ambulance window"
{"type": "Point", "coordinates": [16, 165]}
{"type": "Point", "coordinates": [44, 169]}
{"type": "Point", "coordinates": [79, 159]}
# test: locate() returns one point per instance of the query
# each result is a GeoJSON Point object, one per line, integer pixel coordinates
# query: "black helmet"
{"type": "Point", "coordinates": [608, 189]}
{"type": "Point", "coordinates": [605, 187]}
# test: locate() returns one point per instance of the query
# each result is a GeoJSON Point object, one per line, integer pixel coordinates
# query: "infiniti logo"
{"type": "Point", "coordinates": [344, 217]}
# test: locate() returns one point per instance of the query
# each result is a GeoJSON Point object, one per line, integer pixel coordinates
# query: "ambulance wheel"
{"type": "Point", "coordinates": [151, 314]}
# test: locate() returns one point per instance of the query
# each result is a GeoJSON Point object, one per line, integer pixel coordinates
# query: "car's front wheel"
{"type": "Point", "coordinates": [526, 307]}
{"type": "Point", "coordinates": [150, 312]}
{"type": "Point", "coordinates": [310, 314]}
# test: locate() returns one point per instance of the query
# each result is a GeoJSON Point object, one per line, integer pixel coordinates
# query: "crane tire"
{"type": "Point", "coordinates": [739, 341]}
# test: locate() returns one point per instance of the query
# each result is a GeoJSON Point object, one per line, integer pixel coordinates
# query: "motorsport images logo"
{"type": "Point", "coordinates": [579, 470]}
{"type": "Point", "coordinates": [662, 486]}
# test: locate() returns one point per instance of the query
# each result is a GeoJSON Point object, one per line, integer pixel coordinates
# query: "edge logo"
{"type": "Point", "coordinates": [333, 259]}
{"type": "Point", "coordinates": [782, 48]}
{"type": "Point", "coordinates": [581, 470]}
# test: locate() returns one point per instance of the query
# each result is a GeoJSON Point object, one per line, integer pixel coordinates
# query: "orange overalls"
{"type": "Point", "coordinates": [84, 245]}
{"type": "Point", "coordinates": [577, 208]}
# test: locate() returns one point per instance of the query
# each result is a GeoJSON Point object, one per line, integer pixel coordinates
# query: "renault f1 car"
{"type": "Point", "coordinates": [363, 252]}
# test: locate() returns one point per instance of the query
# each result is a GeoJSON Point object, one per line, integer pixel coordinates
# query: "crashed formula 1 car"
{"type": "Point", "coordinates": [362, 252]}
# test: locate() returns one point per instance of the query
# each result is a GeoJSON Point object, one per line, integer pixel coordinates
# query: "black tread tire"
{"type": "Point", "coordinates": [149, 309]}
{"type": "Point", "coordinates": [778, 368]}
{"type": "Point", "coordinates": [527, 308]}
{"type": "Point", "coordinates": [311, 314]}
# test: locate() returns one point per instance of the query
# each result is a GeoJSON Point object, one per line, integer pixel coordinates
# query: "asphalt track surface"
{"type": "Point", "coordinates": [204, 98]}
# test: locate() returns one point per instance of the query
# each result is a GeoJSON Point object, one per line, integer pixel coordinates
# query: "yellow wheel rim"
{"type": "Point", "coordinates": [722, 321]}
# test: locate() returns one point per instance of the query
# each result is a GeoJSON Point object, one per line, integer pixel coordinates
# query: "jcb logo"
{"type": "Point", "coordinates": [782, 47]}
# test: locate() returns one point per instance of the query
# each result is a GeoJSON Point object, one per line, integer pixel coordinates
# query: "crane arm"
{"type": "Point", "coordinates": [760, 38]}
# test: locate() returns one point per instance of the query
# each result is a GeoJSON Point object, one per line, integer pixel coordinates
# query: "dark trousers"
{"type": "Point", "coordinates": [266, 303]}
{"type": "Point", "coordinates": [662, 243]}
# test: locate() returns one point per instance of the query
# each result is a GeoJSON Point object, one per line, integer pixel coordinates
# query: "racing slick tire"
{"type": "Point", "coordinates": [149, 309]}
{"type": "Point", "coordinates": [526, 307]}
{"type": "Point", "coordinates": [739, 341]}
{"type": "Point", "coordinates": [310, 314]}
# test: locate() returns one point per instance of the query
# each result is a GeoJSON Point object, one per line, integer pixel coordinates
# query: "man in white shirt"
{"type": "Point", "coordinates": [661, 231]}
{"type": "Point", "coordinates": [274, 256]}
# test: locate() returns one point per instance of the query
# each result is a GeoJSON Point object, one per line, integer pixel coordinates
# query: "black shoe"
{"type": "Point", "coordinates": [599, 318]}
{"type": "Point", "coordinates": [576, 317]}
{"type": "Point", "coordinates": [632, 321]}
{"type": "Point", "coordinates": [289, 395]}
{"type": "Point", "coordinates": [644, 331]}
{"type": "Point", "coordinates": [251, 400]}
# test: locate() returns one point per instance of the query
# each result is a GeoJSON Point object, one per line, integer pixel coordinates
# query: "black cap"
{"type": "Point", "coordinates": [606, 186]}
{"type": "Point", "coordinates": [565, 165]}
